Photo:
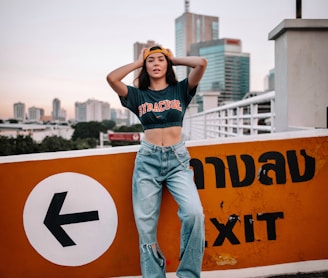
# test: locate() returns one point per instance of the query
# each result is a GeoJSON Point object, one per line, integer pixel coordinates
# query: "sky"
{"type": "Point", "coordinates": [65, 48]}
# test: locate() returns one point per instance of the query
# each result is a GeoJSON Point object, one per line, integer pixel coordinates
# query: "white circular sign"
{"type": "Point", "coordinates": [70, 219]}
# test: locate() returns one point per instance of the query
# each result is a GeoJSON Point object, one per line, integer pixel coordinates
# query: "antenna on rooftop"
{"type": "Point", "coordinates": [187, 5]}
{"type": "Point", "coordinates": [298, 8]}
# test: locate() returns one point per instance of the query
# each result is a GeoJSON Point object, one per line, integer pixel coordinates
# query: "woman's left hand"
{"type": "Point", "coordinates": [171, 55]}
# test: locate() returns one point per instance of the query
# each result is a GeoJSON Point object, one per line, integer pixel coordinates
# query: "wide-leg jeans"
{"type": "Point", "coordinates": [153, 166]}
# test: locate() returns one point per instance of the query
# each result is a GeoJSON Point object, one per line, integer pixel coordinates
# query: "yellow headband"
{"type": "Point", "coordinates": [148, 52]}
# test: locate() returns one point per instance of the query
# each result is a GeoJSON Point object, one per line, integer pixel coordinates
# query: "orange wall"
{"type": "Point", "coordinates": [248, 223]}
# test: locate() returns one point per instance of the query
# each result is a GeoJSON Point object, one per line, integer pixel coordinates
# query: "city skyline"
{"type": "Point", "coordinates": [48, 114]}
{"type": "Point", "coordinates": [22, 111]}
{"type": "Point", "coordinates": [65, 49]}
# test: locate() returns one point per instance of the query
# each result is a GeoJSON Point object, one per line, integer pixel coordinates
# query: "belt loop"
{"type": "Point", "coordinates": [173, 148]}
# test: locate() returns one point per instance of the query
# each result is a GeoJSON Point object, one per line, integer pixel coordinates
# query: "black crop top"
{"type": "Point", "coordinates": [157, 109]}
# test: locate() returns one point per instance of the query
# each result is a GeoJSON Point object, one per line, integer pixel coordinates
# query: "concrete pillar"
{"type": "Point", "coordinates": [210, 100]}
{"type": "Point", "coordinates": [301, 73]}
{"type": "Point", "coordinates": [192, 109]}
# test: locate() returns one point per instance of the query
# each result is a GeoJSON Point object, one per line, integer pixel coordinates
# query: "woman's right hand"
{"type": "Point", "coordinates": [114, 78]}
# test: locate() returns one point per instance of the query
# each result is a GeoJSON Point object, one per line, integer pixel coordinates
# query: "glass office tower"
{"type": "Point", "coordinates": [193, 28]}
{"type": "Point", "coordinates": [228, 69]}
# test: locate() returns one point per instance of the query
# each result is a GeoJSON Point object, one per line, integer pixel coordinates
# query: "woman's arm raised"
{"type": "Point", "coordinates": [115, 77]}
{"type": "Point", "coordinates": [198, 65]}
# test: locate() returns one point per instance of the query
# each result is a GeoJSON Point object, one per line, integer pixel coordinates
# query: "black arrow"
{"type": "Point", "coordinates": [54, 220]}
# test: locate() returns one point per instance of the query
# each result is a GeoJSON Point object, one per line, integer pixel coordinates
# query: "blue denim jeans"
{"type": "Point", "coordinates": [153, 166]}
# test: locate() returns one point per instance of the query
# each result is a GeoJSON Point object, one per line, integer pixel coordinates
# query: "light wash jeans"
{"type": "Point", "coordinates": [153, 166]}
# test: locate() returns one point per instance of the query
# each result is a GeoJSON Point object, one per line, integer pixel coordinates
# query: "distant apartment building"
{"type": "Point", "coordinates": [122, 117]}
{"type": "Point", "coordinates": [92, 110]}
{"type": "Point", "coordinates": [55, 109]}
{"type": "Point", "coordinates": [80, 112]}
{"type": "Point", "coordinates": [269, 81]}
{"type": "Point", "coordinates": [35, 113]}
{"type": "Point", "coordinates": [58, 114]}
{"type": "Point", "coordinates": [192, 28]}
{"type": "Point", "coordinates": [19, 111]}
{"type": "Point", "coordinates": [228, 69]}
{"type": "Point", "coordinates": [113, 114]}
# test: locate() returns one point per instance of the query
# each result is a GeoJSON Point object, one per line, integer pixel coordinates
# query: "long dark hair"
{"type": "Point", "coordinates": [143, 81]}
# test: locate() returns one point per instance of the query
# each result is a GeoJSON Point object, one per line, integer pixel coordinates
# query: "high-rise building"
{"type": "Point", "coordinates": [58, 113]}
{"type": "Point", "coordinates": [62, 114]}
{"type": "Point", "coordinates": [35, 113]}
{"type": "Point", "coordinates": [228, 69]}
{"type": "Point", "coordinates": [19, 111]}
{"type": "Point", "coordinates": [81, 111]}
{"type": "Point", "coordinates": [105, 110]}
{"type": "Point", "coordinates": [193, 28]}
{"type": "Point", "coordinates": [55, 109]}
{"type": "Point", "coordinates": [92, 110]}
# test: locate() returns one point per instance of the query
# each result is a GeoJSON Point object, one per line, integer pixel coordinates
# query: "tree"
{"type": "Point", "coordinates": [5, 146]}
{"type": "Point", "coordinates": [13, 121]}
{"type": "Point", "coordinates": [55, 143]}
{"type": "Point", "coordinates": [109, 124]}
{"type": "Point", "coordinates": [88, 130]}
{"type": "Point", "coordinates": [20, 145]}
{"type": "Point", "coordinates": [25, 144]}
{"type": "Point", "coordinates": [86, 143]}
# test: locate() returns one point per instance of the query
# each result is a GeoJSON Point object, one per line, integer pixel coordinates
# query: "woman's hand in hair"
{"type": "Point", "coordinates": [171, 56]}
{"type": "Point", "coordinates": [141, 57]}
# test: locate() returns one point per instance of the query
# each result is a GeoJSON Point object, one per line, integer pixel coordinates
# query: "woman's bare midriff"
{"type": "Point", "coordinates": [163, 136]}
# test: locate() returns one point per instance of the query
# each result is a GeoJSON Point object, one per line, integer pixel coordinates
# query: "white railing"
{"type": "Point", "coordinates": [251, 116]}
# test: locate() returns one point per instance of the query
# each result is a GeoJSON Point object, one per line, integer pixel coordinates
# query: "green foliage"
{"type": "Point", "coordinates": [109, 124]}
{"type": "Point", "coordinates": [5, 145]}
{"type": "Point", "coordinates": [55, 144]}
{"type": "Point", "coordinates": [20, 145]}
{"type": "Point", "coordinates": [89, 129]}
{"type": "Point", "coordinates": [87, 143]}
{"type": "Point", "coordinates": [85, 136]}
{"type": "Point", "coordinates": [26, 145]}
{"type": "Point", "coordinates": [13, 121]}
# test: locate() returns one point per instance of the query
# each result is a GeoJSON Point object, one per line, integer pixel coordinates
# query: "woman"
{"type": "Point", "coordinates": [160, 102]}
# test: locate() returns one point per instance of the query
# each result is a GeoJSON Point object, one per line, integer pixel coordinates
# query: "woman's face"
{"type": "Point", "coordinates": [156, 65]}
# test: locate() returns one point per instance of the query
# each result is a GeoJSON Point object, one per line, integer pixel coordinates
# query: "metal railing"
{"type": "Point", "coordinates": [254, 115]}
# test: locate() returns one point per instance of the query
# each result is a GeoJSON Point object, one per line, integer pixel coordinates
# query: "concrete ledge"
{"type": "Point", "coordinates": [298, 24]}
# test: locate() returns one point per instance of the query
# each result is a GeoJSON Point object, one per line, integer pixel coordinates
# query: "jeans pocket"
{"type": "Point", "coordinates": [182, 155]}
{"type": "Point", "coordinates": [145, 151]}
